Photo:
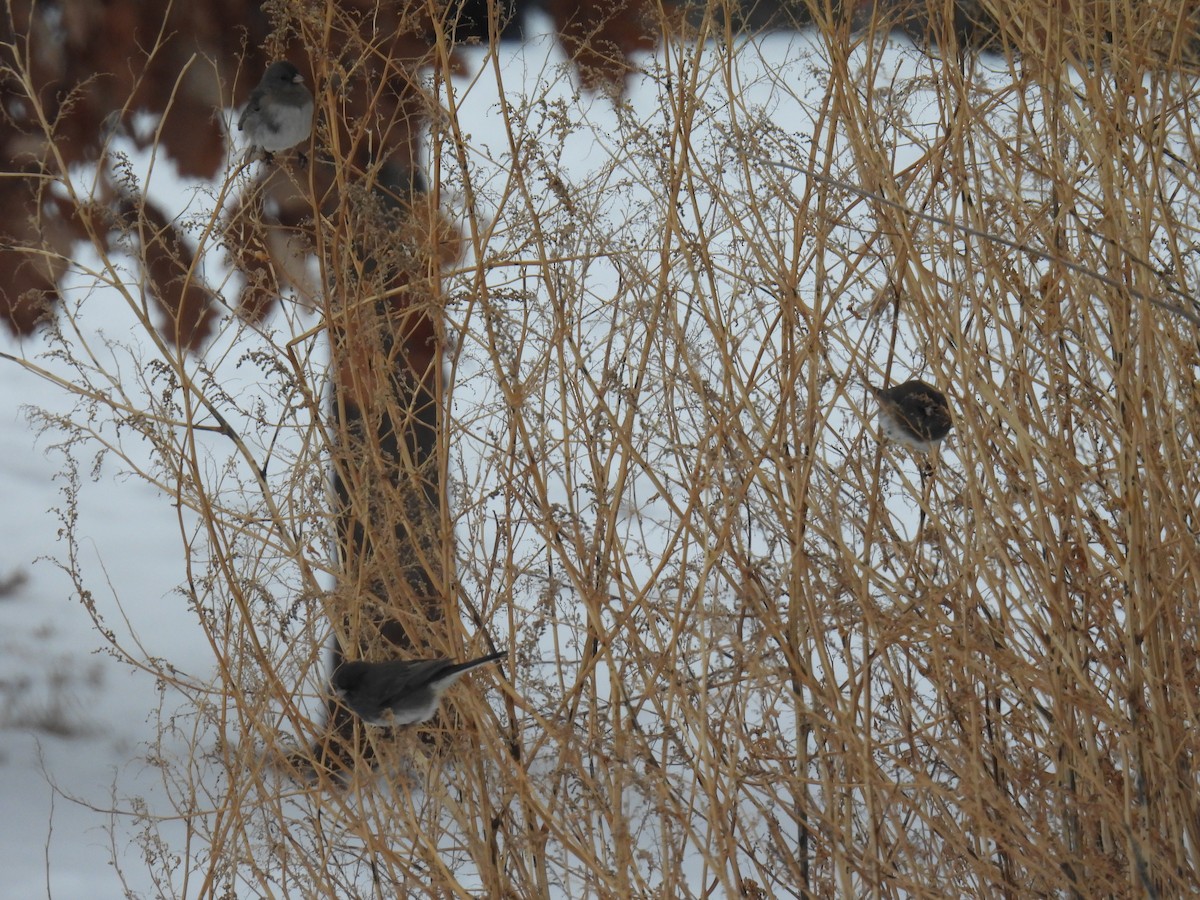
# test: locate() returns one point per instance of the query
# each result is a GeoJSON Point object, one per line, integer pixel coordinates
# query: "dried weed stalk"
{"type": "Point", "coordinates": [754, 653]}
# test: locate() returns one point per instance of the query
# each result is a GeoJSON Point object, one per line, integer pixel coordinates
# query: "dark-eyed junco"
{"type": "Point", "coordinates": [279, 113]}
{"type": "Point", "coordinates": [913, 414]}
{"type": "Point", "coordinates": [399, 692]}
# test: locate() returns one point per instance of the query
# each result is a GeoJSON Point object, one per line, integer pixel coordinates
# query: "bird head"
{"type": "Point", "coordinates": [348, 677]}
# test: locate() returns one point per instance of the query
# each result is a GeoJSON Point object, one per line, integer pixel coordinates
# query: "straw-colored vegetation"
{"type": "Point", "coordinates": [753, 652]}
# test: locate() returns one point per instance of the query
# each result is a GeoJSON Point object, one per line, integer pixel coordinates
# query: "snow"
{"type": "Point", "coordinates": [73, 719]}
{"type": "Point", "coordinates": [79, 729]}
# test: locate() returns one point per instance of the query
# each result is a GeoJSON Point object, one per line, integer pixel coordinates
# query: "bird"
{"type": "Point", "coordinates": [279, 113]}
{"type": "Point", "coordinates": [914, 414]}
{"type": "Point", "coordinates": [401, 691]}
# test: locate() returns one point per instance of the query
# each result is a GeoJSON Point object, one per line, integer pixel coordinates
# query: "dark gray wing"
{"type": "Point", "coordinates": [253, 107]}
{"type": "Point", "coordinates": [924, 409]}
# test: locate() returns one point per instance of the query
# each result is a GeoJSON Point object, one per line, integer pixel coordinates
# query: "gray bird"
{"type": "Point", "coordinates": [399, 692]}
{"type": "Point", "coordinates": [913, 414]}
{"type": "Point", "coordinates": [279, 113]}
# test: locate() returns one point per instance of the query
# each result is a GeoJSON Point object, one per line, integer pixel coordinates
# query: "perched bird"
{"type": "Point", "coordinates": [399, 692]}
{"type": "Point", "coordinates": [913, 414]}
{"type": "Point", "coordinates": [279, 113]}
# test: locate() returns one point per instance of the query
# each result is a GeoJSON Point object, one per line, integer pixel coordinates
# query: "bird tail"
{"type": "Point", "coordinates": [472, 663]}
{"type": "Point", "coordinates": [878, 392]}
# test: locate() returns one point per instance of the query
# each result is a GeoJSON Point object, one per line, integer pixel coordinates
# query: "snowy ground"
{"type": "Point", "coordinates": [72, 719]}
{"type": "Point", "coordinates": [74, 723]}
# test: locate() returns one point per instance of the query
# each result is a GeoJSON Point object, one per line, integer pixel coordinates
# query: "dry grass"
{"type": "Point", "coordinates": [753, 652]}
